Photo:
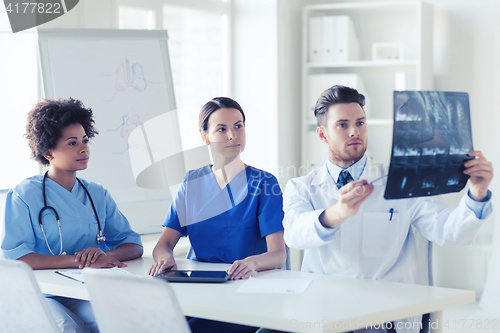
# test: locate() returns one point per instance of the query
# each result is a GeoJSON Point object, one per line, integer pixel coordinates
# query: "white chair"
{"type": "Point", "coordinates": [23, 307]}
{"type": "Point", "coordinates": [126, 303]}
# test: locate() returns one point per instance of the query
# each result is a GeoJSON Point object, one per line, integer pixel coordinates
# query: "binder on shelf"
{"type": "Point", "coordinates": [329, 29]}
{"type": "Point", "coordinates": [317, 83]}
{"type": "Point", "coordinates": [315, 39]}
{"type": "Point", "coordinates": [347, 44]}
{"type": "Point", "coordinates": [332, 39]}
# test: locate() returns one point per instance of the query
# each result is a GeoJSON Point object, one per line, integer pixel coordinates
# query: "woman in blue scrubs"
{"type": "Point", "coordinates": [232, 212]}
{"type": "Point", "coordinates": [92, 231]}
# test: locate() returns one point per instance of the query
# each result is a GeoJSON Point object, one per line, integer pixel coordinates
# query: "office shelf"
{"type": "Point", "coordinates": [406, 24]}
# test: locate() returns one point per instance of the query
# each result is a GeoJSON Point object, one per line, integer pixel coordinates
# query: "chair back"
{"type": "Point", "coordinates": [127, 303]}
{"type": "Point", "coordinates": [23, 307]}
{"type": "Point", "coordinates": [190, 253]}
{"type": "Point", "coordinates": [288, 265]}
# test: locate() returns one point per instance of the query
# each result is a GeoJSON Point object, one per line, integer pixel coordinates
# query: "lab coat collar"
{"type": "Point", "coordinates": [371, 172]}
{"type": "Point", "coordinates": [355, 170]}
{"type": "Point", "coordinates": [322, 176]}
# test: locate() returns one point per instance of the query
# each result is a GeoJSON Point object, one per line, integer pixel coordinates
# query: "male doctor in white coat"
{"type": "Point", "coordinates": [351, 230]}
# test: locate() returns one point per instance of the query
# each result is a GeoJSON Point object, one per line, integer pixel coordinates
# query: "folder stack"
{"type": "Point", "coordinates": [332, 39]}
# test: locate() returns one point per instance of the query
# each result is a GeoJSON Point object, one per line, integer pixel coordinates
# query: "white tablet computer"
{"type": "Point", "coordinates": [193, 276]}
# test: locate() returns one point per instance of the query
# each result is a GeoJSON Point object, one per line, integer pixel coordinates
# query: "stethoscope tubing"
{"type": "Point", "coordinates": [100, 237]}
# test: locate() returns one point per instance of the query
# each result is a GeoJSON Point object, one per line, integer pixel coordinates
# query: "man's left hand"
{"type": "Point", "coordinates": [480, 171]}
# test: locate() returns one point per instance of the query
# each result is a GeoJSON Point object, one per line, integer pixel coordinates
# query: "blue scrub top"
{"type": "Point", "coordinates": [229, 224]}
{"type": "Point", "coordinates": [21, 233]}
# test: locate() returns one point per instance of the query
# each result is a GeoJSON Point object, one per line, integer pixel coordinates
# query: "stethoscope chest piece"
{"type": "Point", "coordinates": [100, 238]}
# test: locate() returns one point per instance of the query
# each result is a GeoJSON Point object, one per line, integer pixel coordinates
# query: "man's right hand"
{"type": "Point", "coordinates": [351, 196]}
{"type": "Point", "coordinates": [162, 264]}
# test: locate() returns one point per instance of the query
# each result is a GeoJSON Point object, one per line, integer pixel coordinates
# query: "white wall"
{"type": "Point", "coordinates": [491, 294]}
{"type": "Point", "coordinates": [90, 14]}
{"type": "Point", "coordinates": [254, 73]}
{"type": "Point", "coordinates": [254, 77]}
{"type": "Point", "coordinates": [289, 87]}
{"type": "Point", "coordinates": [465, 53]}
{"type": "Point", "coordinates": [465, 59]}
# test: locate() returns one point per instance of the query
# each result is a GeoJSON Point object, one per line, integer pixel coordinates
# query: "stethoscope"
{"type": "Point", "coordinates": [100, 237]}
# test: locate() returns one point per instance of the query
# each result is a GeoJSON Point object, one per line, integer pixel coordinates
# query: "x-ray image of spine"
{"type": "Point", "coordinates": [431, 139]}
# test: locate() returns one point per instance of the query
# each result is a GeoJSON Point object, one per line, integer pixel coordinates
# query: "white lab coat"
{"type": "Point", "coordinates": [371, 244]}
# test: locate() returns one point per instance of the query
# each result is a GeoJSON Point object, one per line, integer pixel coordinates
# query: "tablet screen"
{"type": "Point", "coordinates": [193, 276]}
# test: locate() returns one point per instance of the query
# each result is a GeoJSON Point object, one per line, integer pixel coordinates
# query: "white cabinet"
{"type": "Point", "coordinates": [381, 47]}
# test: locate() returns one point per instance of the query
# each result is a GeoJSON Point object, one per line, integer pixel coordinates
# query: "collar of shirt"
{"type": "Point", "coordinates": [355, 170]}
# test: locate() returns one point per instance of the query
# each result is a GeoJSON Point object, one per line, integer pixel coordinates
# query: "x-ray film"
{"type": "Point", "coordinates": [431, 139]}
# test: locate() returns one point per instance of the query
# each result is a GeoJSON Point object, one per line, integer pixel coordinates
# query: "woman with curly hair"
{"type": "Point", "coordinates": [58, 220]}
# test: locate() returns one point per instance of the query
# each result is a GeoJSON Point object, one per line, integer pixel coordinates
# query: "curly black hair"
{"type": "Point", "coordinates": [47, 120]}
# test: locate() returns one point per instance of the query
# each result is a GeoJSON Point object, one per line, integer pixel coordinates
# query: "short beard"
{"type": "Point", "coordinates": [345, 160]}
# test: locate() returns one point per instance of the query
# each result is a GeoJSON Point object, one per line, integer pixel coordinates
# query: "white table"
{"type": "Point", "coordinates": [330, 304]}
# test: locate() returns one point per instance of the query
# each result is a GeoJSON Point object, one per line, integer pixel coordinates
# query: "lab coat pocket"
{"type": "Point", "coordinates": [380, 234]}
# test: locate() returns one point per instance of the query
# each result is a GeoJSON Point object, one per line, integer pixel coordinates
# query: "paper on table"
{"type": "Point", "coordinates": [274, 286]}
{"type": "Point", "coordinates": [76, 274]}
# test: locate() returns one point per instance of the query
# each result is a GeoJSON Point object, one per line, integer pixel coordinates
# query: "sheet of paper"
{"type": "Point", "coordinates": [274, 286]}
{"type": "Point", "coordinates": [76, 274]}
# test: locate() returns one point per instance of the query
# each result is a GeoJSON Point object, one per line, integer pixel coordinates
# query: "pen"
{"type": "Point", "coordinates": [392, 212]}
{"type": "Point", "coordinates": [376, 179]}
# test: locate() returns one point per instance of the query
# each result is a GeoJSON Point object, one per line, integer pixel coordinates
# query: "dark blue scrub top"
{"type": "Point", "coordinates": [229, 224]}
